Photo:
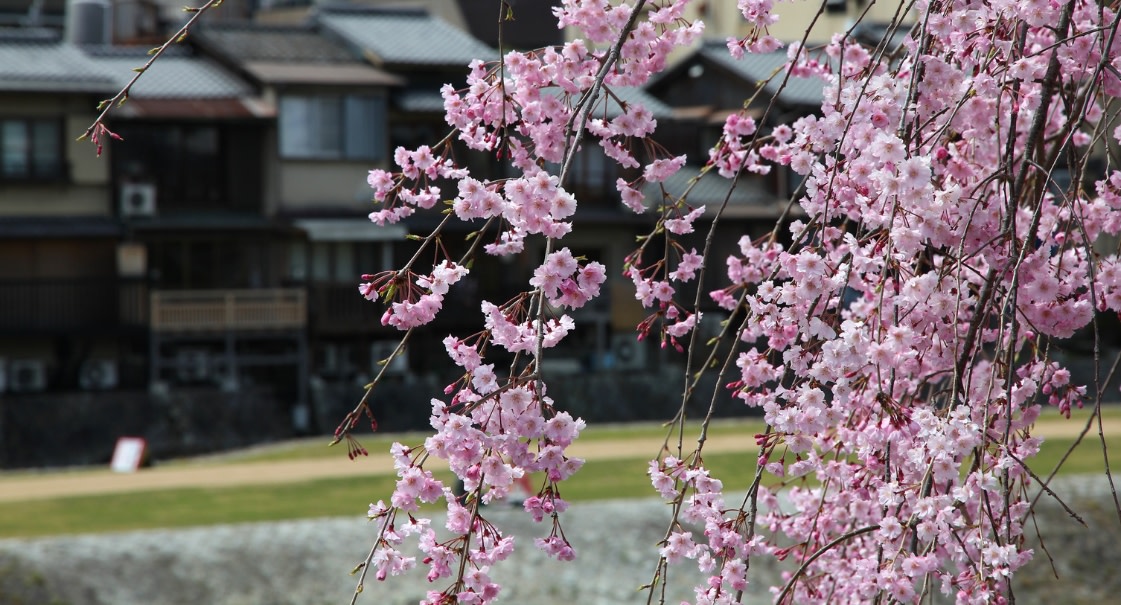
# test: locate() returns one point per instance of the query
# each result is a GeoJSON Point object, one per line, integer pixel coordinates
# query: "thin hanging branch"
{"type": "Point", "coordinates": [97, 129]}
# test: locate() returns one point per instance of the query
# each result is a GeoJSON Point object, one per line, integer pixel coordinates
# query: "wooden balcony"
{"type": "Point", "coordinates": [71, 305]}
{"type": "Point", "coordinates": [228, 310]}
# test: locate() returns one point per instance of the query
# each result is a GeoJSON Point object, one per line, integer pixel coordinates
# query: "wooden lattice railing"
{"type": "Point", "coordinates": [226, 310]}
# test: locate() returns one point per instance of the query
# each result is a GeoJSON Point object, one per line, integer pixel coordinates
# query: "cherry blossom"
{"type": "Point", "coordinates": [896, 330]}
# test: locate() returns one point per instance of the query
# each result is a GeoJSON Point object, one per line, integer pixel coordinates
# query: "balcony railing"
{"type": "Point", "coordinates": [71, 305]}
{"type": "Point", "coordinates": [228, 310]}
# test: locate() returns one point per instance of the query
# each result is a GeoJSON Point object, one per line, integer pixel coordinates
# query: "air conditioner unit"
{"type": "Point", "coordinates": [382, 349]}
{"type": "Point", "coordinates": [98, 375]}
{"type": "Point", "coordinates": [138, 200]}
{"type": "Point", "coordinates": [192, 365]}
{"type": "Point", "coordinates": [628, 352]}
{"type": "Point", "coordinates": [27, 375]}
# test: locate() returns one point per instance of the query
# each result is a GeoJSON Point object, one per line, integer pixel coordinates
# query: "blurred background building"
{"type": "Point", "coordinates": [197, 284]}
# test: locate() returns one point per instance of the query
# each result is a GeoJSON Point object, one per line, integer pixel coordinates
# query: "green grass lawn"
{"type": "Point", "coordinates": [189, 507]}
{"type": "Point", "coordinates": [599, 479]}
{"type": "Point", "coordinates": [378, 443]}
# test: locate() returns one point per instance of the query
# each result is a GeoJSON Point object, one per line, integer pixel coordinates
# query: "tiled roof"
{"type": "Point", "coordinates": [48, 66]}
{"type": "Point", "coordinates": [172, 76]}
{"type": "Point", "coordinates": [291, 54]}
{"type": "Point", "coordinates": [404, 37]}
{"type": "Point", "coordinates": [873, 33]}
{"type": "Point", "coordinates": [748, 200]}
{"type": "Point", "coordinates": [250, 43]}
{"type": "Point", "coordinates": [657, 108]}
{"type": "Point", "coordinates": [350, 74]}
{"type": "Point", "coordinates": [760, 67]}
{"type": "Point", "coordinates": [419, 100]}
{"type": "Point", "coordinates": [196, 108]}
{"type": "Point", "coordinates": [414, 100]}
{"type": "Point", "coordinates": [627, 95]}
{"type": "Point", "coordinates": [29, 34]}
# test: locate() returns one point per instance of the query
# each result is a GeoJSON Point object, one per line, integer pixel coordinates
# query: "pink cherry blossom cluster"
{"type": "Point", "coordinates": [759, 16]}
{"type": "Point", "coordinates": [564, 283]}
{"type": "Point", "coordinates": [671, 319]}
{"type": "Point", "coordinates": [525, 335]}
{"type": "Point", "coordinates": [897, 331]}
{"type": "Point", "coordinates": [910, 253]}
{"type": "Point", "coordinates": [414, 300]}
{"type": "Point", "coordinates": [526, 107]}
{"type": "Point", "coordinates": [656, 283]}
{"type": "Point", "coordinates": [726, 547]}
{"type": "Point", "coordinates": [420, 169]}
{"type": "Point", "coordinates": [522, 108]}
{"type": "Point", "coordinates": [490, 435]}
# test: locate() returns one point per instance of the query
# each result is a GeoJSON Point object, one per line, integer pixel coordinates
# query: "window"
{"type": "Point", "coordinates": [212, 262]}
{"type": "Point", "coordinates": [194, 166]}
{"type": "Point", "coordinates": [345, 262]}
{"type": "Point", "coordinates": [591, 177]}
{"type": "Point", "coordinates": [350, 127]}
{"type": "Point", "coordinates": [591, 169]}
{"type": "Point", "coordinates": [31, 149]}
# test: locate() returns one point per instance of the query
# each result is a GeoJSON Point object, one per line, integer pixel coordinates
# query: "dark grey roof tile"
{"type": "Point", "coordinates": [405, 37]}
{"type": "Point", "coordinates": [41, 66]}
{"type": "Point", "coordinates": [349, 74]}
{"type": "Point", "coordinates": [174, 76]}
{"type": "Point", "coordinates": [657, 108]}
{"type": "Point", "coordinates": [248, 42]}
{"type": "Point", "coordinates": [761, 67]}
{"type": "Point", "coordinates": [748, 200]}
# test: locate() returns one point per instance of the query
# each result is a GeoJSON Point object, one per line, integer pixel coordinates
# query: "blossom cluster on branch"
{"type": "Point", "coordinates": [897, 336]}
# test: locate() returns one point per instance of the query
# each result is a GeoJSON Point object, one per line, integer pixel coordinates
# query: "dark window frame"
{"type": "Point", "coordinates": [196, 166]}
{"type": "Point", "coordinates": [39, 169]}
{"type": "Point", "coordinates": [348, 145]}
{"type": "Point", "coordinates": [343, 261]}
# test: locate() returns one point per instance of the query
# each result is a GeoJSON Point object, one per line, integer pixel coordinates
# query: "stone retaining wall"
{"type": "Point", "coordinates": [307, 562]}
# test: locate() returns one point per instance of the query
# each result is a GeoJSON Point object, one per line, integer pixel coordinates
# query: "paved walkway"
{"type": "Point", "coordinates": [37, 486]}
